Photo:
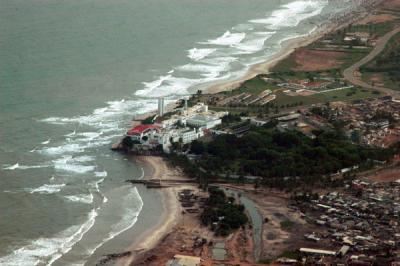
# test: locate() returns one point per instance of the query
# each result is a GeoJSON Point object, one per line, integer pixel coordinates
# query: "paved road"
{"type": "Point", "coordinates": [349, 73]}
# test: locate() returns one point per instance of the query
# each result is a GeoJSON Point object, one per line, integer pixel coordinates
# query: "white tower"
{"type": "Point", "coordinates": [161, 106]}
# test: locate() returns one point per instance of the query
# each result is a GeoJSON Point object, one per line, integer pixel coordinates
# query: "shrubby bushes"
{"type": "Point", "coordinates": [270, 153]}
{"type": "Point", "coordinates": [222, 214]}
{"type": "Point", "coordinates": [278, 157]}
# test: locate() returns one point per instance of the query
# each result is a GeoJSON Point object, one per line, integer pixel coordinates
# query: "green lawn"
{"type": "Point", "coordinates": [352, 58]}
{"type": "Point", "coordinates": [254, 86]}
{"type": "Point", "coordinates": [378, 29]}
{"type": "Point", "coordinates": [284, 100]}
{"type": "Point", "coordinates": [287, 64]}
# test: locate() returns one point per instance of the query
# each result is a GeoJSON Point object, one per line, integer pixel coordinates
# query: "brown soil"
{"type": "Point", "coordinates": [386, 175]}
{"type": "Point", "coordinates": [273, 206]}
{"type": "Point", "coordinates": [392, 4]}
{"type": "Point", "coordinates": [306, 93]}
{"type": "Point", "coordinates": [178, 241]}
{"type": "Point", "coordinates": [376, 79]}
{"type": "Point", "coordinates": [312, 60]}
{"type": "Point", "coordinates": [374, 19]}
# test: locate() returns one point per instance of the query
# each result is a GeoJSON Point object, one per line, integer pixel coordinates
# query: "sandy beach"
{"type": "Point", "coordinates": [288, 47]}
{"type": "Point", "coordinates": [156, 168]}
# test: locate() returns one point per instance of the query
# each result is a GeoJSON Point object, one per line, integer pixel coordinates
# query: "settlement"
{"type": "Point", "coordinates": [184, 126]}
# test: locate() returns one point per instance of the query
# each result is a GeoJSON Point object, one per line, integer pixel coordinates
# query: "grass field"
{"type": "Point", "coordinates": [378, 29]}
{"type": "Point", "coordinates": [284, 101]}
{"type": "Point", "coordinates": [255, 85]}
{"type": "Point", "coordinates": [296, 66]}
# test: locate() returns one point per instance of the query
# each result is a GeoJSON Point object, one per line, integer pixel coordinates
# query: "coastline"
{"type": "Point", "coordinates": [155, 167]}
{"type": "Point", "coordinates": [171, 214]}
{"type": "Point", "coordinates": [287, 47]}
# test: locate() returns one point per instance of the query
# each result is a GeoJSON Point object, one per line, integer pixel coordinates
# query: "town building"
{"type": "Point", "coordinates": [189, 135]}
{"type": "Point", "coordinates": [142, 132]}
{"type": "Point", "coordinates": [182, 260]}
{"type": "Point", "coordinates": [184, 126]}
{"type": "Point", "coordinates": [161, 107]}
{"type": "Point", "coordinates": [204, 121]}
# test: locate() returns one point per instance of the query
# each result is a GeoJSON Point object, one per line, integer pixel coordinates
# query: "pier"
{"type": "Point", "coordinates": [164, 183]}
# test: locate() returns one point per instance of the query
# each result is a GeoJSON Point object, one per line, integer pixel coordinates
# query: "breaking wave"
{"type": "Point", "coordinates": [290, 15]}
{"type": "Point", "coordinates": [128, 219]}
{"type": "Point", "coordinates": [24, 167]}
{"type": "Point", "coordinates": [228, 38]}
{"type": "Point", "coordinates": [70, 164]}
{"type": "Point", "coordinates": [223, 57]}
{"type": "Point", "coordinates": [48, 250]}
{"type": "Point", "coordinates": [87, 199]}
{"type": "Point", "coordinates": [197, 54]}
{"type": "Point", "coordinates": [47, 189]}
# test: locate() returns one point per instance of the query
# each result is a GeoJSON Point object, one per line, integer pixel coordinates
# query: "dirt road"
{"type": "Point", "coordinates": [350, 73]}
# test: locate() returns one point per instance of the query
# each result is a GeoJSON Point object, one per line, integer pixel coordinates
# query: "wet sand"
{"type": "Point", "coordinates": [288, 47]}
{"type": "Point", "coordinates": [156, 168]}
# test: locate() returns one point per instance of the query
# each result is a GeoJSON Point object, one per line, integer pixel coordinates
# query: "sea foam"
{"type": "Point", "coordinates": [24, 167]}
{"type": "Point", "coordinates": [71, 164]}
{"type": "Point", "coordinates": [47, 189]}
{"type": "Point", "coordinates": [290, 15]}
{"type": "Point", "coordinates": [228, 38]}
{"type": "Point", "coordinates": [45, 251]}
{"type": "Point", "coordinates": [211, 60]}
{"type": "Point", "coordinates": [87, 199]}
{"type": "Point", "coordinates": [127, 220]}
{"type": "Point", "coordinates": [101, 174]}
{"type": "Point", "coordinates": [197, 54]}
{"type": "Point", "coordinates": [255, 44]}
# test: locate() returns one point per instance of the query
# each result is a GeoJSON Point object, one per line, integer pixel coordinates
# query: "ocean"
{"type": "Point", "coordinates": [74, 73]}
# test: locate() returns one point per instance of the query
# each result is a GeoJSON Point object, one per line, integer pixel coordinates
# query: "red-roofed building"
{"type": "Point", "coordinates": [140, 129]}
{"type": "Point", "coordinates": [145, 134]}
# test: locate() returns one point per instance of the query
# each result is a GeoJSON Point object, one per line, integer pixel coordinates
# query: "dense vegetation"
{"type": "Point", "coordinates": [278, 154]}
{"type": "Point", "coordinates": [280, 158]}
{"type": "Point", "coordinates": [222, 214]}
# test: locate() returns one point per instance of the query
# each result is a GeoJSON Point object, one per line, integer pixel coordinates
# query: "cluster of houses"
{"type": "Point", "coordinates": [362, 39]}
{"type": "Point", "coordinates": [371, 122]}
{"type": "Point", "coordinates": [360, 226]}
{"type": "Point", "coordinates": [183, 127]}
{"type": "Point", "coordinates": [306, 87]}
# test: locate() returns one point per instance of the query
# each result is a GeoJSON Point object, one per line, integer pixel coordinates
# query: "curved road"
{"type": "Point", "coordinates": [349, 73]}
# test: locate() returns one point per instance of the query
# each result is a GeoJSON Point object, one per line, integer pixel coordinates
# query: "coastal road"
{"type": "Point", "coordinates": [350, 74]}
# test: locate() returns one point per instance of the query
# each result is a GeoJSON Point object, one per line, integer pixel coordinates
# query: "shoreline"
{"type": "Point", "coordinates": [287, 47]}
{"type": "Point", "coordinates": [171, 215]}
{"type": "Point", "coordinates": [154, 167]}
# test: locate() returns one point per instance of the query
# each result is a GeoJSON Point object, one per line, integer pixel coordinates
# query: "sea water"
{"type": "Point", "coordinates": [72, 75]}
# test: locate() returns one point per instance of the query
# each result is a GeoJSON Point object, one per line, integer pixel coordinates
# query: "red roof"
{"type": "Point", "coordinates": [141, 128]}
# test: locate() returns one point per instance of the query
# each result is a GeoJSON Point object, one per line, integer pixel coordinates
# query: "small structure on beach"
{"type": "Point", "coordinates": [183, 260]}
